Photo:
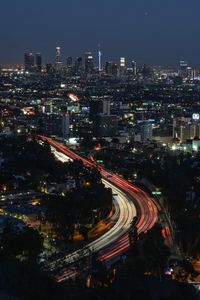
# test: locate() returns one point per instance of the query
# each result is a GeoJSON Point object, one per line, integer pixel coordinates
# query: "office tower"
{"type": "Point", "coordinates": [115, 69]}
{"type": "Point", "coordinates": [183, 68]}
{"type": "Point", "coordinates": [58, 62]}
{"type": "Point", "coordinates": [134, 67]}
{"type": "Point", "coordinates": [122, 66]}
{"type": "Point", "coordinates": [89, 63]}
{"type": "Point", "coordinates": [65, 125]}
{"type": "Point", "coordinates": [122, 62]}
{"type": "Point", "coordinates": [190, 73]}
{"type": "Point", "coordinates": [187, 132]}
{"type": "Point", "coordinates": [69, 65]}
{"type": "Point", "coordinates": [29, 62]}
{"type": "Point", "coordinates": [100, 106]}
{"type": "Point", "coordinates": [58, 55]}
{"type": "Point", "coordinates": [99, 59]}
{"type": "Point", "coordinates": [147, 72]}
{"type": "Point", "coordinates": [96, 107]}
{"type": "Point", "coordinates": [38, 62]}
{"type": "Point", "coordinates": [49, 69]}
{"type": "Point", "coordinates": [186, 128]}
{"type": "Point", "coordinates": [111, 68]}
{"type": "Point", "coordinates": [145, 129]}
{"type": "Point", "coordinates": [78, 65]}
{"type": "Point", "coordinates": [69, 62]}
{"type": "Point", "coordinates": [50, 124]}
{"type": "Point", "coordinates": [108, 67]}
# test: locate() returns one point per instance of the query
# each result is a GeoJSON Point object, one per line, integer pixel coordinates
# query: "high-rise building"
{"type": "Point", "coordinates": [187, 132]}
{"type": "Point", "coordinates": [147, 72]}
{"type": "Point", "coordinates": [96, 107]}
{"type": "Point", "coordinates": [145, 129]}
{"type": "Point", "coordinates": [99, 59]}
{"type": "Point", "coordinates": [38, 62]}
{"type": "Point", "coordinates": [111, 68]}
{"type": "Point", "coordinates": [29, 62]}
{"type": "Point", "coordinates": [50, 124]}
{"type": "Point", "coordinates": [190, 73]}
{"type": "Point", "coordinates": [100, 106]}
{"type": "Point", "coordinates": [122, 62]}
{"type": "Point", "coordinates": [69, 62]}
{"type": "Point", "coordinates": [58, 62]}
{"type": "Point", "coordinates": [69, 65]}
{"type": "Point", "coordinates": [89, 63]}
{"type": "Point", "coordinates": [78, 65]}
{"type": "Point", "coordinates": [65, 125]}
{"type": "Point", "coordinates": [49, 69]}
{"type": "Point", "coordinates": [115, 69]}
{"type": "Point", "coordinates": [108, 67]}
{"type": "Point", "coordinates": [183, 68]}
{"type": "Point", "coordinates": [134, 67]}
{"type": "Point", "coordinates": [122, 65]}
{"type": "Point", "coordinates": [186, 128]}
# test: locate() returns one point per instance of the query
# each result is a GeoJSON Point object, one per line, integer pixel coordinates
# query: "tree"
{"type": "Point", "coordinates": [27, 241]}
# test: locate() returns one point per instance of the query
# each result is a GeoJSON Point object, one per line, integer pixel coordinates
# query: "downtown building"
{"type": "Point", "coordinates": [32, 63]}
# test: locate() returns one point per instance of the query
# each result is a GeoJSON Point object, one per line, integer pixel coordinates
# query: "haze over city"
{"type": "Point", "coordinates": [153, 32]}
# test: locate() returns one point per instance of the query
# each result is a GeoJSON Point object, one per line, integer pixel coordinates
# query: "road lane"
{"type": "Point", "coordinates": [131, 200]}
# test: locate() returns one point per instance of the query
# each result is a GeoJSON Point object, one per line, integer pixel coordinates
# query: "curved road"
{"type": "Point", "coordinates": [130, 200]}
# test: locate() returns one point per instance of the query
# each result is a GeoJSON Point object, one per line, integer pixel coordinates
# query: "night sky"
{"type": "Point", "coordinates": [148, 31]}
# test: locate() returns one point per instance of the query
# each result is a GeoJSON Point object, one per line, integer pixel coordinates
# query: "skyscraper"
{"type": "Point", "coordinates": [49, 69]}
{"type": "Point", "coordinates": [145, 129]}
{"type": "Point", "coordinates": [122, 65]}
{"type": "Point", "coordinates": [122, 62]}
{"type": "Point", "coordinates": [108, 67]}
{"type": "Point", "coordinates": [114, 69]}
{"type": "Point", "coordinates": [190, 73]}
{"type": "Point", "coordinates": [78, 65]}
{"type": "Point", "coordinates": [69, 61]}
{"type": "Point", "coordinates": [100, 106]}
{"type": "Point", "coordinates": [65, 125]}
{"type": "Point", "coordinates": [69, 64]}
{"type": "Point", "coordinates": [134, 67]}
{"type": "Point", "coordinates": [183, 68]}
{"type": "Point", "coordinates": [38, 62]}
{"type": "Point", "coordinates": [111, 68]}
{"type": "Point", "coordinates": [58, 62]}
{"type": "Point", "coordinates": [89, 63]}
{"type": "Point", "coordinates": [99, 59]}
{"type": "Point", "coordinates": [29, 62]}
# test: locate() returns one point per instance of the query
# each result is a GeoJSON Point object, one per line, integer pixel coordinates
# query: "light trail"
{"type": "Point", "coordinates": [131, 201]}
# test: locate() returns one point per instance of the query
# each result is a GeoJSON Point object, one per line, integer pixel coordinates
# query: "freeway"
{"type": "Point", "coordinates": [126, 213]}
{"type": "Point", "coordinates": [131, 201]}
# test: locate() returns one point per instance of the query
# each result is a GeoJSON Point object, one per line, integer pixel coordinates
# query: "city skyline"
{"type": "Point", "coordinates": [97, 57]}
{"type": "Point", "coordinates": [153, 33]}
